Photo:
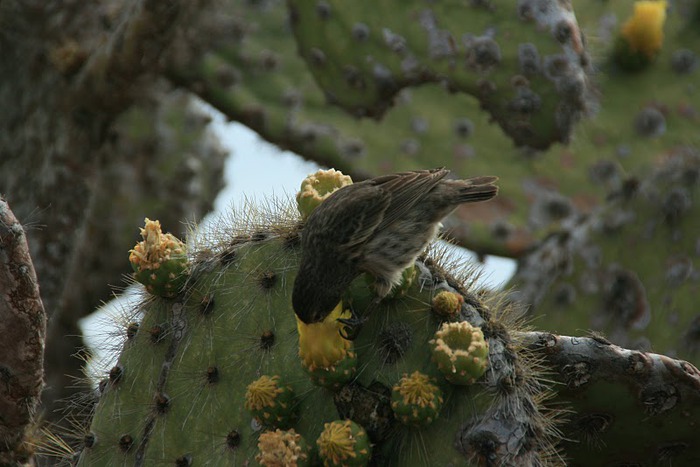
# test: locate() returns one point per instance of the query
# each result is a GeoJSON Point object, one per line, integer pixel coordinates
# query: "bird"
{"type": "Point", "coordinates": [378, 226]}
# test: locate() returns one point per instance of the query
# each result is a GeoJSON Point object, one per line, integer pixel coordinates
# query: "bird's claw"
{"type": "Point", "coordinates": [351, 326]}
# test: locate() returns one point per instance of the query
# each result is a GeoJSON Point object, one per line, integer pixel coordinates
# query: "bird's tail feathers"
{"type": "Point", "coordinates": [476, 189]}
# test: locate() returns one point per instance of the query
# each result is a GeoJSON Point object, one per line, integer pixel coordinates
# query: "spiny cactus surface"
{"type": "Point", "coordinates": [208, 372]}
{"type": "Point", "coordinates": [626, 407]}
{"type": "Point", "coordinates": [211, 369]}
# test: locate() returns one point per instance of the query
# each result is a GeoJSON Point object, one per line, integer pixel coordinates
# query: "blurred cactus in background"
{"type": "Point", "coordinates": [589, 118]}
{"type": "Point", "coordinates": [410, 67]}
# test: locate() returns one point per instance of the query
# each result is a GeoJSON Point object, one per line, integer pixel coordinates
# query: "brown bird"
{"type": "Point", "coordinates": [378, 226]}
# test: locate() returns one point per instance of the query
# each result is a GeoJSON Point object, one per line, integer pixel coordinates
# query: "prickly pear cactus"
{"type": "Point", "coordinates": [628, 269]}
{"type": "Point", "coordinates": [223, 373]}
{"type": "Point", "coordinates": [362, 58]}
{"type": "Point", "coordinates": [215, 374]}
{"type": "Point", "coordinates": [439, 73]}
{"type": "Point", "coordinates": [626, 407]}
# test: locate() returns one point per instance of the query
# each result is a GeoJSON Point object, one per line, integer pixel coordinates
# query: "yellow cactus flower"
{"type": "Point", "coordinates": [644, 32]}
{"type": "Point", "coordinates": [320, 344]}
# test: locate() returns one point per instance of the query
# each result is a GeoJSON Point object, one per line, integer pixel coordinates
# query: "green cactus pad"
{"type": "Point", "coordinates": [159, 261]}
{"type": "Point", "coordinates": [257, 76]}
{"type": "Point", "coordinates": [129, 388]}
{"type": "Point", "coordinates": [234, 322]}
{"type": "Point", "coordinates": [415, 400]}
{"type": "Point", "coordinates": [362, 57]}
{"type": "Point", "coordinates": [630, 271]}
{"type": "Point", "coordinates": [283, 448]}
{"type": "Point", "coordinates": [317, 187]}
{"type": "Point", "coordinates": [460, 352]}
{"type": "Point", "coordinates": [429, 127]}
{"type": "Point", "coordinates": [270, 402]}
{"type": "Point", "coordinates": [344, 443]}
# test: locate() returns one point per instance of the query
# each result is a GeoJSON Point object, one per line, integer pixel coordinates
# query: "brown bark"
{"type": "Point", "coordinates": [23, 328]}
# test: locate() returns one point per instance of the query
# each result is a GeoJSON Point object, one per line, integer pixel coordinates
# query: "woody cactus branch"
{"type": "Point", "coordinates": [23, 328]}
{"type": "Point", "coordinates": [626, 405]}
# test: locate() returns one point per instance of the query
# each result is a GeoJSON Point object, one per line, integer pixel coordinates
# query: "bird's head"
{"type": "Point", "coordinates": [312, 299]}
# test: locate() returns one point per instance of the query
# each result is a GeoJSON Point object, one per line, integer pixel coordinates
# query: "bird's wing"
{"type": "Point", "coordinates": [354, 217]}
{"type": "Point", "coordinates": [405, 190]}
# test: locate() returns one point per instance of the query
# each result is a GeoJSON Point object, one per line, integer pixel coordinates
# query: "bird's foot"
{"type": "Point", "coordinates": [351, 326]}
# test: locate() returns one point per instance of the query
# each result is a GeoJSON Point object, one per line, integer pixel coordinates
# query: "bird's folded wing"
{"type": "Point", "coordinates": [407, 189]}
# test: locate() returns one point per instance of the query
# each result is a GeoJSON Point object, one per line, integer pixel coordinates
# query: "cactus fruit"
{"type": "Point", "coordinates": [336, 375]}
{"type": "Point", "coordinates": [415, 400]}
{"type": "Point", "coordinates": [344, 443]}
{"type": "Point", "coordinates": [283, 448]}
{"type": "Point", "coordinates": [270, 402]}
{"type": "Point", "coordinates": [159, 261]}
{"type": "Point", "coordinates": [447, 304]}
{"type": "Point", "coordinates": [460, 351]}
{"type": "Point", "coordinates": [320, 344]}
{"type": "Point", "coordinates": [317, 187]}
